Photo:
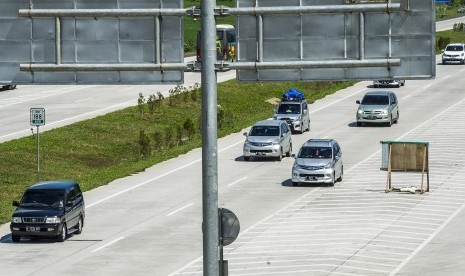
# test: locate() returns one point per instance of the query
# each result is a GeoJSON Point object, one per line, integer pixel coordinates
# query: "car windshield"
{"type": "Point", "coordinates": [375, 100]}
{"type": "Point", "coordinates": [315, 152]}
{"type": "Point", "coordinates": [264, 131]}
{"type": "Point", "coordinates": [43, 198]}
{"type": "Point", "coordinates": [457, 48]}
{"type": "Point", "coordinates": [289, 109]}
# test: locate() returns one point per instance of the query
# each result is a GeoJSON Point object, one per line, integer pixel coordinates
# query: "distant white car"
{"type": "Point", "coordinates": [396, 83]}
{"type": "Point", "coordinates": [454, 52]}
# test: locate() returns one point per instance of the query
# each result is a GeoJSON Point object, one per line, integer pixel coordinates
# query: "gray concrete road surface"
{"type": "Point", "coordinates": [150, 223]}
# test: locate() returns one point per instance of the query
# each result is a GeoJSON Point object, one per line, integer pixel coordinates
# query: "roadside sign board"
{"type": "Point", "coordinates": [128, 40]}
{"type": "Point", "coordinates": [401, 30]}
{"type": "Point", "coordinates": [37, 116]}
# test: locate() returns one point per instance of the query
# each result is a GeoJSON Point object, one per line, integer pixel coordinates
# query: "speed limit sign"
{"type": "Point", "coordinates": [37, 116]}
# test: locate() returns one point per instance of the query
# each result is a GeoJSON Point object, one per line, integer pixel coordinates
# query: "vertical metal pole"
{"type": "Point", "coordinates": [209, 141]}
{"type": "Point", "coordinates": [362, 36]}
{"type": "Point", "coordinates": [260, 38]}
{"type": "Point", "coordinates": [38, 156]}
{"type": "Point", "coordinates": [57, 40]}
{"type": "Point", "coordinates": [157, 40]}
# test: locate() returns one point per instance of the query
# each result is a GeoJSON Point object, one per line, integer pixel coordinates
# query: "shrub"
{"type": "Point", "coordinates": [140, 104]}
{"type": "Point", "coordinates": [442, 42]}
{"type": "Point", "coordinates": [189, 128]}
{"type": "Point", "coordinates": [151, 102]}
{"type": "Point", "coordinates": [144, 143]}
{"type": "Point", "coordinates": [158, 140]}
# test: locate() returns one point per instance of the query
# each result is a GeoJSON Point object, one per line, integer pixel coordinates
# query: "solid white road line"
{"type": "Point", "coordinates": [235, 182]}
{"type": "Point", "coordinates": [110, 243]}
{"type": "Point", "coordinates": [180, 209]}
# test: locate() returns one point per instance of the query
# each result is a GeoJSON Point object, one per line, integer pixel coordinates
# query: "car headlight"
{"type": "Point", "coordinates": [16, 219]}
{"type": "Point", "coordinates": [296, 166]}
{"type": "Point", "coordinates": [384, 112]}
{"type": "Point", "coordinates": [360, 111]}
{"type": "Point", "coordinates": [329, 165]}
{"type": "Point", "coordinates": [52, 220]}
{"type": "Point", "coordinates": [276, 142]}
{"type": "Point", "coordinates": [246, 143]}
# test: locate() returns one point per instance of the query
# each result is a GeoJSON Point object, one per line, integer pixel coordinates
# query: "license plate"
{"type": "Point", "coordinates": [312, 178]}
{"type": "Point", "coordinates": [260, 153]}
{"type": "Point", "coordinates": [32, 229]}
{"type": "Point", "coordinates": [372, 117]}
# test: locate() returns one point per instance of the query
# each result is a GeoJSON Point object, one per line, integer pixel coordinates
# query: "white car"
{"type": "Point", "coordinates": [318, 161]}
{"type": "Point", "coordinates": [454, 52]}
{"type": "Point", "coordinates": [268, 138]}
{"type": "Point", "coordinates": [396, 83]}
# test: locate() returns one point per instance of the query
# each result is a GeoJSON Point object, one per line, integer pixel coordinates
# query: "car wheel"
{"type": "Point", "coordinates": [301, 128]}
{"type": "Point", "coordinates": [359, 124]}
{"type": "Point", "coordinates": [288, 154]}
{"type": "Point", "coordinates": [308, 125]}
{"type": "Point", "coordinates": [79, 226]}
{"type": "Point", "coordinates": [342, 173]}
{"type": "Point", "coordinates": [295, 183]}
{"type": "Point", "coordinates": [11, 86]}
{"type": "Point", "coordinates": [63, 233]}
{"type": "Point", "coordinates": [246, 158]}
{"type": "Point", "coordinates": [443, 62]}
{"type": "Point", "coordinates": [403, 83]}
{"type": "Point", "coordinates": [398, 86]}
{"type": "Point", "coordinates": [15, 238]}
{"type": "Point", "coordinates": [280, 156]}
{"type": "Point", "coordinates": [333, 181]}
{"type": "Point", "coordinates": [397, 118]}
{"type": "Point", "coordinates": [389, 124]}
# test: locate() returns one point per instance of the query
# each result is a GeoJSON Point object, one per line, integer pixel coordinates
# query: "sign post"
{"type": "Point", "coordinates": [38, 119]}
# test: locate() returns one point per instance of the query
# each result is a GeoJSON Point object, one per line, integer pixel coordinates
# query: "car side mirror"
{"type": "Point", "coordinates": [275, 110]}
{"type": "Point", "coordinates": [245, 134]}
{"type": "Point", "coordinates": [15, 203]}
{"type": "Point", "coordinates": [293, 156]}
{"type": "Point", "coordinates": [442, 51]}
{"type": "Point", "coordinates": [357, 102]}
{"type": "Point", "coordinates": [69, 204]}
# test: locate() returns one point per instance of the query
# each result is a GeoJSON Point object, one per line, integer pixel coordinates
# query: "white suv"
{"type": "Point", "coordinates": [454, 52]}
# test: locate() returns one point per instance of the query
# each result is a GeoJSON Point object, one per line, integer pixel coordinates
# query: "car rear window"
{"type": "Point", "coordinates": [375, 100]}
{"type": "Point", "coordinates": [264, 131]}
{"type": "Point", "coordinates": [289, 109]}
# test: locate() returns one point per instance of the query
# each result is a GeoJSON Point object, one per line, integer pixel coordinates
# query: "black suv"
{"type": "Point", "coordinates": [49, 209]}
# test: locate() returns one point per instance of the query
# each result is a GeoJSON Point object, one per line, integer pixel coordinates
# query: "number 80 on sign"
{"type": "Point", "coordinates": [37, 116]}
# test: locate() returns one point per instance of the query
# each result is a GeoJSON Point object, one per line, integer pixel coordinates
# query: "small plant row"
{"type": "Point", "coordinates": [180, 131]}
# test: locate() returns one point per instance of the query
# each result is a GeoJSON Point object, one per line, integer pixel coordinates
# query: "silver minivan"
{"type": "Point", "coordinates": [318, 161]}
{"type": "Point", "coordinates": [378, 107]}
{"type": "Point", "coordinates": [268, 138]}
